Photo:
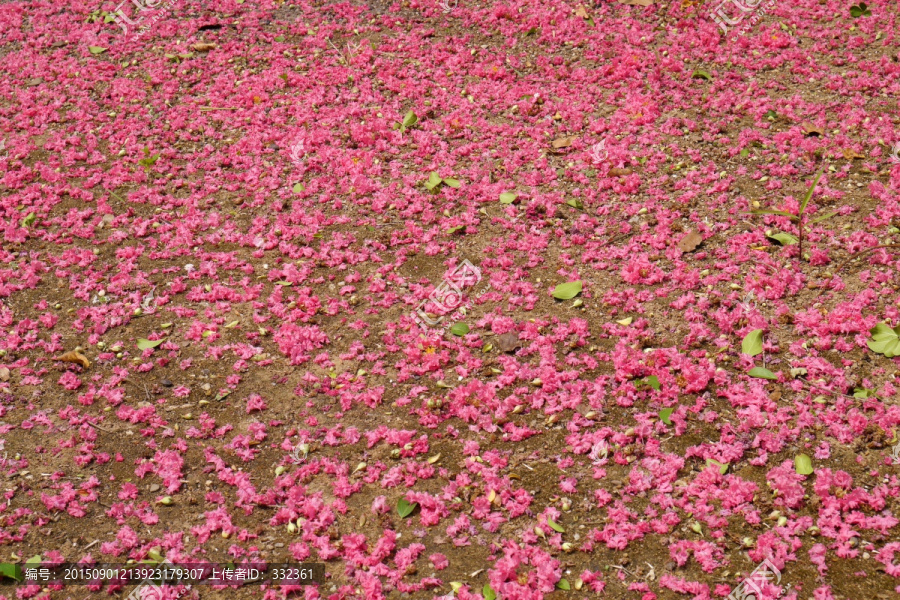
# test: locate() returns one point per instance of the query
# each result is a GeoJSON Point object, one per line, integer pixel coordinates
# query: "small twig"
{"type": "Point", "coordinates": [98, 427]}
{"type": "Point", "coordinates": [866, 251]}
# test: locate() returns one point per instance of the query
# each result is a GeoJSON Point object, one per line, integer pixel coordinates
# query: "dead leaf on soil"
{"type": "Point", "coordinates": [812, 130]}
{"type": "Point", "coordinates": [690, 242]}
{"type": "Point", "coordinates": [851, 154]}
{"type": "Point", "coordinates": [4, 374]}
{"type": "Point", "coordinates": [508, 342]}
{"type": "Point", "coordinates": [563, 142]}
{"type": "Point", "coordinates": [581, 12]}
{"type": "Point", "coordinates": [620, 172]}
{"type": "Point", "coordinates": [75, 357]}
{"type": "Point", "coordinates": [636, 2]}
{"type": "Point", "coordinates": [203, 46]}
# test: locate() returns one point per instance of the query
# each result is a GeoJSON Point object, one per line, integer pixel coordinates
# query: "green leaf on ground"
{"type": "Point", "coordinates": [651, 381]}
{"type": "Point", "coordinates": [723, 467]}
{"type": "Point", "coordinates": [555, 526]}
{"type": "Point", "coordinates": [434, 180]}
{"type": "Point", "coordinates": [567, 291]}
{"type": "Point", "coordinates": [508, 197]}
{"type": "Point", "coordinates": [785, 239]}
{"type": "Point", "coordinates": [404, 508]}
{"type": "Point", "coordinates": [144, 343]}
{"type": "Point", "coordinates": [860, 10]}
{"type": "Point", "coordinates": [803, 464]}
{"type": "Point", "coordinates": [459, 329]}
{"type": "Point", "coordinates": [11, 571]}
{"type": "Point", "coordinates": [885, 340]}
{"type": "Point", "coordinates": [664, 415]}
{"type": "Point", "coordinates": [762, 373]}
{"type": "Point", "coordinates": [409, 119]}
{"type": "Point", "coordinates": [753, 343]}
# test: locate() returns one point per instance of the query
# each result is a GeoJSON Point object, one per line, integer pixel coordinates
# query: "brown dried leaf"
{"type": "Point", "coordinates": [203, 46]}
{"type": "Point", "coordinates": [620, 172]}
{"type": "Point", "coordinates": [581, 12]}
{"type": "Point", "coordinates": [812, 130]}
{"type": "Point", "coordinates": [4, 374]}
{"type": "Point", "coordinates": [508, 342]}
{"type": "Point", "coordinates": [75, 357]}
{"type": "Point", "coordinates": [563, 142]}
{"type": "Point", "coordinates": [636, 2]}
{"type": "Point", "coordinates": [690, 242]}
{"type": "Point", "coordinates": [851, 154]}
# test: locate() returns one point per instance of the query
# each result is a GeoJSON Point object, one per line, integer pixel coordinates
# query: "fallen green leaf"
{"type": "Point", "coordinates": [488, 592]}
{"type": "Point", "coordinates": [762, 373]}
{"type": "Point", "coordinates": [434, 180]}
{"type": "Point", "coordinates": [555, 526]}
{"type": "Point", "coordinates": [567, 291]}
{"type": "Point", "coordinates": [753, 343]}
{"type": "Point", "coordinates": [144, 343]}
{"type": "Point", "coordinates": [723, 467]}
{"type": "Point", "coordinates": [885, 340]}
{"type": "Point", "coordinates": [664, 415]}
{"type": "Point", "coordinates": [459, 329]}
{"type": "Point", "coordinates": [409, 119]}
{"type": "Point", "coordinates": [404, 508]}
{"type": "Point", "coordinates": [508, 197]}
{"type": "Point", "coordinates": [96, 49]}
{"type": "Point", "coordinates": [803, 464]}
{"type": "Point", "coordinates": [11, 571]}
{"type": "Point", "coordinates": [785, 239]}
{"type": "Point", "coordinates": [700, 74]}
{"type": "Point", "coordinates": [563, 584]}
